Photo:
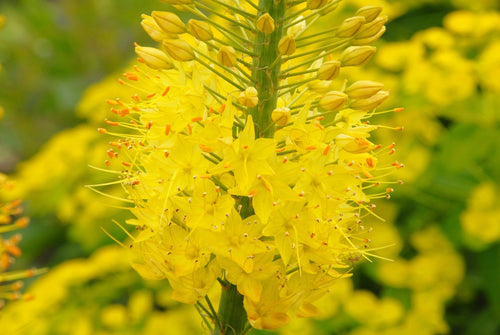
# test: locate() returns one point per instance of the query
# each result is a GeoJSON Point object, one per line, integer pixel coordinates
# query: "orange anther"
{"type": "Point", "coordinates": [399, 128]}
{"type": "Point", "coordinates": [167, 129]}
{"type": "Point", "coordinates": [268, 186]}
{"type": "Point", "coordinates": [311, 147]}
{"type": "Point", "coordinates": [281, 149]}
{"type": "Point", "coordinates": [140, 60]}
{"type": "Point", "coordinates": [119, 102]}
{"type": "Point", "coordinates": [151, 95]}
{"type": "Point", "coordinates": [108, 163]}
{"type": "Point", "coordinates": [148, 126]}
{"type": "Point", "coordinates": [123, 112]}
{"type": "Point", "coordinates": [102, 130]}
{"type": "Point", "coordinates": [211, 110]}
{"type": "Point", "coordinates": [111, 153]}
{"type": "Point", "coordinates": [13, 250]}
{"type": "Point", "coordinates": [166, 153]}
{"type": "Point", "coordinates": [135, 108]}
{"type": "Point", "coordinates": [116, 144]}
{"type": "Point", "coordinates": [397, 110]}
{"type": "Point", "coordinates": [222, 108]}
{"type": "Point", "coordinates": [389, 190]}
{"type": "Point", "coordinates": [227, 165]}
{"type": "Point", "coordinates": [196, 119]}
{"type": "Point", "coordinates": [111, 102]}
{"type": "Point", "coordinates": [131, 76]}
{"type": "Point", "coordinates": [327, 150]}
{"type": "Point", "coordinates": [121, 82]}
{"type": "Point", "coordinates": [252, 193]}
{"type": "Point", "coordinates": [370, 163]}
{"type": "Point", "coordinates": [190, 129]}
{"type": "Point", "coordinates": [126, 164]}
{"type": "Point", "coordinates": [136, 182]}
{"type": "Point", "coordinates": [111, 123]}
{"type": "Point", "coordinates": [166, 91]}
{"type": "Point", "coordinates": [136, 97]}
{"type": "Point", "coordinates": [133, 122]}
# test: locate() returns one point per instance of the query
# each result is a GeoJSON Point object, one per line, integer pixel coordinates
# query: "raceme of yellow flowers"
{"type": "Point", "coordinates": [244, 161]}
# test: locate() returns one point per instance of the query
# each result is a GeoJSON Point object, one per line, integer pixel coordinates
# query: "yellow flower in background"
{"type": "Point", "coordinates": [222, 188]}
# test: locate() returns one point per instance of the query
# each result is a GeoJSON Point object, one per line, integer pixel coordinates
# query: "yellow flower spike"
{"type": "Point", "coordinates": [153, 29]}
{"type": "Point", "coordinates": [371, 102]}
{"type": "Point", "coordinates": [286, 45]}
{"type": "Point", "coordinates": [200, 30]}
{"type": "Point", "coordinates": [281, 116]}
{"type": "Point", "coordinates": [227, 56]}
{"type": "Point", "coordinates": [372, 28]}
{"type": "Point", "coordinates": [316, 4]}
{"type": "Point", "coordinates": [265, 23]}
{"type": "Point", "coordinates": [357, 55]}
{"type": "Point", "coordinates": [369, 12]}
{"type": "Point", "coordinates": [169, 22]}
{"type": "Point", "coordinates": [350, 26]}
{"type": "Point", "coordinates": [329, 70]}
{"type": "Point", "coordinates": [154, 58]}
{"type": "Point", "coordinates": [363, 89]}
{"type": "Point", "coordinates": [249, 97]}
{"type": "Point", "coordinates": [333, 100]}
{"type": "Point", "coordinates": [179, 50]}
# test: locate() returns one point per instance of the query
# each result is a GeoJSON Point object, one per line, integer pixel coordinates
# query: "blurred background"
{"type": "Point", "coordinates": [60, 61]}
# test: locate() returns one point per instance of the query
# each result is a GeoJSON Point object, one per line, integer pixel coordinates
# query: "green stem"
{"type": "Point", "coordinates": [232, 314]}
{"type": "Point", "coordinates": [266, 67]}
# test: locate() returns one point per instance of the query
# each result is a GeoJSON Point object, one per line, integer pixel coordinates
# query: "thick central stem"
{"type": "Point", "coordinates": [266, 67]}
{"type": "Point", "coordinates": [232, 314]}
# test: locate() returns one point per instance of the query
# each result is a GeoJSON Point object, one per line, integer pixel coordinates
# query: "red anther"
{"type": "Point", "coordinates": [126, 164]}
{"type": "Point", "coordinates": [102, 130]}
{"type": "Point", "coordinates": [166, 153]}
{"type": "Point", "coordinates": [148, 126]}
{"type": "Point", "coordinates": [111, 123]}
{"type": "Point", "coordinates": [151, 95]}
{"type": "Point", "coordinates": [196, 119]}
{"type": "Point", "coordinates": [167, 129]}
{"type": "Point", "coordinates": [166, 91]}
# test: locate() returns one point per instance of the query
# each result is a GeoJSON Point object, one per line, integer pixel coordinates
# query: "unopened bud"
{"type": "Point", "coordinates": [265, 23]}
{"type": "Point", "coordinates": [372, 28]}
{"type": "Point", "coordinates": [328, 9]}
{"type": "Point", "coordinates": [369, 12]}
{"type": "Point", "coordinates": [370, 103]}
{"type": "Point", "coordinates": [333, 100]}
{"type": "Point", "coordinates": [369, 40]}
{"type": "Point", "coordinates": [281, 116]}
{"type": "Point", "coordinates": [153, 29]}
{"type": "Point", "coordinates": [227, 56]}
{"type": "Point", "coordinates": [357, 55]}
{"type": "Point", "coordinates": [319, 86]}
{"type": "Point", "coordinates": [249, 97]}
{"type": "Point", "coordinates": [154, 58]}
{"type": "Point", "coordinates": [363, 89]}
{"type": "Point", "coordinates": [179, 50]}
{"type": "Point", "coordinates": [286, 45]}
{"type": "Point", "coordinates": [315, 4]}
{"type": "Point", "coordinates": [169, 22]}
{"type": "Point", "coordinates": [350, 26]}
{"type": "Point", "coordinates": [329, 70]}
{"type": "Point", "coordinates": [200, 30]}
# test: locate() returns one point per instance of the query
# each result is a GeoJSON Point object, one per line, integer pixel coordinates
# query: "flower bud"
{"type": "Point", "coordinates": [200, 30]}
{"type": "Point", "coordinates": [369, 40]}
{"type": "Point", "coordinates": [329, 70]}
{"type": "Point", "coordinates": [179, 50]}
{"type": "Point", "coordinates": [227, 56]}
{"type": "Point", "coordinates": [350, 26]}
{"type": "Point", "coordinates": [372, 28]}
{"type": "Point", "coordinates": [169, 22]}
{"type": "Point", "coordinates": [249, 97]}
{"type": "Point", "coordinates": [357, 55]}
{"type": "Point", "coordinates": [315, 4]}
{"type": "Point", "coordinates": [286, 45]}
{"type": "Point", "coordinates": [333, 100]}
{"type": "Point", "coordinates": [153, 29]}
{"type": "Point", "coordinates": [327, 10]}
{"type": "Point", "coordinates": [363, 89]}
{"type": "Point", "coordinates": [265, 23]}
{"type": "Point", "coordinates": [154, 58]}
{"type": "Point", "coordinates": [369, 12]}
{"type": "Point", "coordinates": [319, 86]}
{"type": "Point", "coordinates": [281, 116]}
{"type": "Point", "coordinates": [370, 103]}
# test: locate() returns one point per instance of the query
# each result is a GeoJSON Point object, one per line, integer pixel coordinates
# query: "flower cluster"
{"type": "Point", "coordinates": [244, 160]}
